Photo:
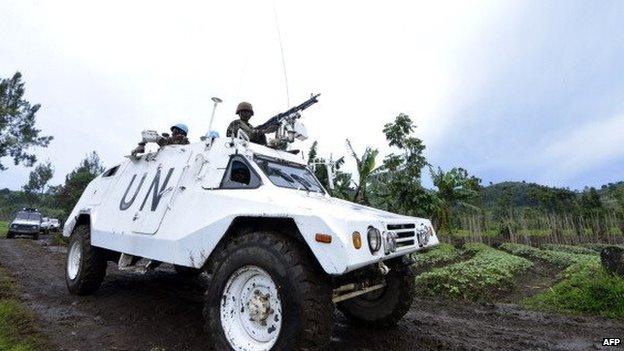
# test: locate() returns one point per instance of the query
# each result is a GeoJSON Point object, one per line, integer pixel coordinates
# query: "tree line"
{"type": "Point", "coordinates": [18, 136]}
{"type": "Point", "coordinates": [459, 204]}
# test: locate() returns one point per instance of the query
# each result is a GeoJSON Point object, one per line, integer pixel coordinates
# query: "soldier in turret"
{"type": "Point", "coordinates": [177, 137]}
{"type": "Point", "coordinates": [244, 112]}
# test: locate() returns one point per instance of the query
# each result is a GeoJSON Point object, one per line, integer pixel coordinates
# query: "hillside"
{"type": "Point", "coordinates": [523, 194]}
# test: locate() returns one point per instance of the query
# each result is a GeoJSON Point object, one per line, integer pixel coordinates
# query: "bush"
{"type": "Point", "coordinates": [489, 271]}
{"type": "Point", "coordinates": [443, 253]}
{"type": "Point", "coordinates": [586, 288]}
{"type": "Point", "coordinates": [598, 246]}
{"type": "Point", "coordinates": [4, 228]}
{"type": "Point", "coordinates": [473, 248]}
{"type": "Point", "coordinates": [580, 250]}
{"type": "Point", "coordinates": [558, 258]}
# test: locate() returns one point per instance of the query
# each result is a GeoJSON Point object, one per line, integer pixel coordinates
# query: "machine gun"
{"type": "Point", "coordinates": [286, 118]}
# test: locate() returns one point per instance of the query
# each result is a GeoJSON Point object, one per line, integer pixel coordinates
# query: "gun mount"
{"type": "Point", "coordinates": [285, 124]}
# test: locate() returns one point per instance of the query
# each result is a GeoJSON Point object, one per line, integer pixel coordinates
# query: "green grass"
{"type": "Point", "coordinates": [4, 228]}
{"type": "Point", "coordinates": [558, 258]}
{"type": "Point", "coordinates": [443, 253]}
{"type": "Point", "coordinates": [17, 326]}
{"type": "Point", "coordinates": [489, 271]}
{"type": "Point", "coordinates": [59, 240]}
{"type": "Point", "coordinates": [586, 289]}
{"type": "Point", "coordinates": [580, 250]}
{"type": "Point", "coordinates": [535, 232]}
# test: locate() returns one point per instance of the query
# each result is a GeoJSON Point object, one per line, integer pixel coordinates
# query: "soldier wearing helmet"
{"type": "Point", "coordinates": [177, 137]}
{"type": "Point", "coordinates": [244, 112]}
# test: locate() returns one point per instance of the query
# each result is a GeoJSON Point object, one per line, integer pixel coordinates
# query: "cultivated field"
{"type": "Point", "coordinates": [472, 296]}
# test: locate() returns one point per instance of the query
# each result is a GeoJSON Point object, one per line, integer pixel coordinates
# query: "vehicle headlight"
{"type": "Point", "coordinates": [374, 239]}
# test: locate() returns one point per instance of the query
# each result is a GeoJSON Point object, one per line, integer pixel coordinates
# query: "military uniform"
{"type": "Point", "coordinates": [170, 140]}
{"type": "Point", "coordinates": [278, 144]}
{"type": "Point", "coordinates": [245, 111]}
{"type": "Point", "coordinates": [178, 138]}
{"type": "Point", "coordinates": [254, 135]}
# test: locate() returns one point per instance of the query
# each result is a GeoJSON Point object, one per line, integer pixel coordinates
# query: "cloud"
{"type": "Point", "coordinates": [537, 75]}
{"type": "Point", "coordinates": [103, 72]}
{"type": "Point", "coordinates": [489, 84]}
{"type": "Point", "coordinates": [584, 148]}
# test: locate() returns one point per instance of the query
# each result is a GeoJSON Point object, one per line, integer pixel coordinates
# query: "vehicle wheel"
{"type": "Point", "coordinates": [86, 265]}
{"type": "Point", "coordinates": [187, 272]}
{"type": "Point", "coordinates": [10, 235]}
{"type": "Point", "coordinates": [265, 293]}
{"type": "Point", "coordinates": [383, 307]}
{"type": "Point", "coordinates": [36, 236]}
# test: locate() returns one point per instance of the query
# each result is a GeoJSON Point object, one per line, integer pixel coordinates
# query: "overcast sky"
{"type": "Point", "coordinates": [526, 90]}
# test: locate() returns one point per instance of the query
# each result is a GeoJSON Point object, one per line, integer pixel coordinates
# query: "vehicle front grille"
{"type": "Point", "coordinates": [22, 226]}
{"type": "Point", "coordinates": [405, 234]}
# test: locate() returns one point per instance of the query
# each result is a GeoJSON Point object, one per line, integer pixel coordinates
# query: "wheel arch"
{"type": "Point", "coordinates": [284, 225]}
{"type": "Point", "coordinates": [83, 218]}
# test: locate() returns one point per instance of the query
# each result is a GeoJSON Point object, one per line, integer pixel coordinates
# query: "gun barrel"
{"type": "Point", "coordinates": [277, 118]}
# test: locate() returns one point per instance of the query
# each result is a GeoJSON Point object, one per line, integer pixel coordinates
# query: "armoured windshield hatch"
{"type": "Point", "coordinates": [289, 175]}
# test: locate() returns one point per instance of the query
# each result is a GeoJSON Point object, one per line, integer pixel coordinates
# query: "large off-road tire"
{"type": "Point", "coordinates": [383, 307]}
{"type": "Point", "coordinates": [85, 266]}
{"type": "Point", "coordinates": [10, 235]}
{"type": "Point", "coordinates": [187, 272]}
{"type": "Point", "coordinates": [35, 236]}
{"type": "Point", "coordinates": [266, 292]}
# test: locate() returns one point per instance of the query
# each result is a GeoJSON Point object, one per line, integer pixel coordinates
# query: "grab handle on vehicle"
{"type": "Point", "coordinates": [242, 135]}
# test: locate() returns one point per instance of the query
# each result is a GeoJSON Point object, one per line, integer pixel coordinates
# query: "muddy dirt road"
{"type": "Point", "coordinates": [159, 311]}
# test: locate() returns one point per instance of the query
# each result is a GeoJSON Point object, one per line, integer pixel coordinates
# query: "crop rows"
{"type": "Point", "coordinates": [488, 271]}
{"type": "Point", "coordinates": [559, 258]}
{"type": "Point", "coordinates": [441, 254]}
{"type": "Point", "coordinates": [580, 250]}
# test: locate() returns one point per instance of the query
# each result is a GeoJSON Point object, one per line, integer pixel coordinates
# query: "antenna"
{"type": "Point", "coordinates": [279, 38]}
{"type": "Point", "coordinates": [216, 101]}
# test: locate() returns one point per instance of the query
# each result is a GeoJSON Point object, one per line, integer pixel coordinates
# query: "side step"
{"type": "Point", "coordinates": [129, 263]}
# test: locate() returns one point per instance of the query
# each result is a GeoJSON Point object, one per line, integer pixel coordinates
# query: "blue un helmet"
{"type": "Point", "coordinates": [180, 127]}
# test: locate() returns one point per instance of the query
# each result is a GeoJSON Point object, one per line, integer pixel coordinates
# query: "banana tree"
{"type": "Point", "coordinates": [365, 168]}
{"type": "Point", "coordinates": [455, 188]}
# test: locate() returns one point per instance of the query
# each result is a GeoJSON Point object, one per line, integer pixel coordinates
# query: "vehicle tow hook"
{"type": "Point", "coordinates": [383, 269]}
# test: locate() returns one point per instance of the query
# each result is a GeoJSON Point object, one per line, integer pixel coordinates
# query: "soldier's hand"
{"type": "Point", "coordinates": [138, 150]}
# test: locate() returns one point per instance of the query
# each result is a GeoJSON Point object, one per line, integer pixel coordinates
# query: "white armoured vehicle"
{"type": "Point", "coordinates": [278, 251]}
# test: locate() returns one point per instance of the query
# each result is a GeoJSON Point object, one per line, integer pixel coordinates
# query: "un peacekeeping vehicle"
{"type": "Point", "coordinates": [277, 250]}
